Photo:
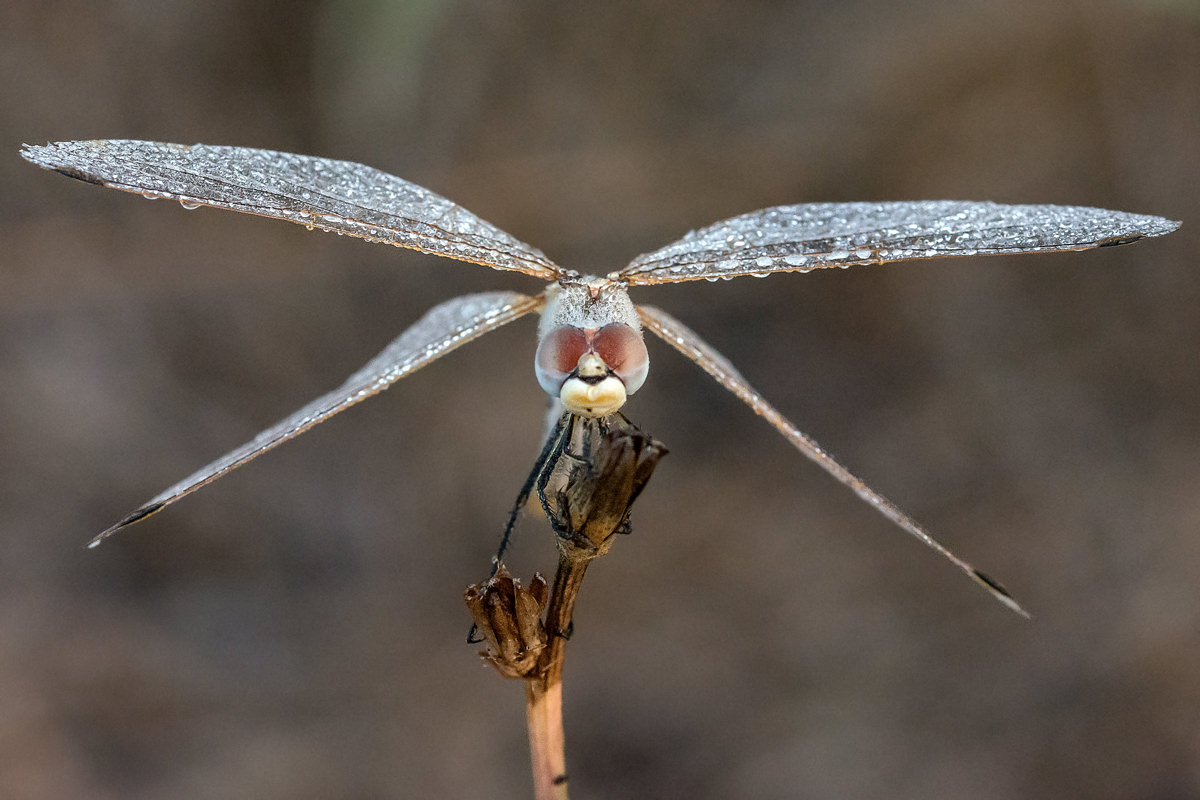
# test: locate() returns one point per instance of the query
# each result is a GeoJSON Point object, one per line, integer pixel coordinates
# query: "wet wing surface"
{"type": "Point", "coordinates": [338, 196]}
{"type": "Point", "coordinates": [800, 238]}
{"type": "Point", "coordinates": [444, 328]}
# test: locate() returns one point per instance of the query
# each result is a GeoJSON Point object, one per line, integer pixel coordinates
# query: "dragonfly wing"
{"type": "Point", "coordinates": [338, 196]}
{"type": "Point", "coordinates": [679, 336]}
{"type": "Point", "coordinates": [444, 328]}
{"type": "Point", "coordinates": [812, 236]}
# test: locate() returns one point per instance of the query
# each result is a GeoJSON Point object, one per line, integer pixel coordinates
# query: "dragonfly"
{"type": "Point", "coordinates": [591, 354]}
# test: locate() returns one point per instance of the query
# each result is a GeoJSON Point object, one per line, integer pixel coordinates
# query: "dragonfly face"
{"type": "Point", "coordinates": [590, 352]}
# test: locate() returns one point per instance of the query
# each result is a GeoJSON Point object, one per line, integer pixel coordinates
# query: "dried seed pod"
{"type": "Point", "coordinates": [510, 618]}
{"type": "Point", "coordinates": [589, 489]}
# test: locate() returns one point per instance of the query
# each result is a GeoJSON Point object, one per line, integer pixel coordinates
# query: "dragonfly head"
{"type": "Point", "coordinates": [591, 355]}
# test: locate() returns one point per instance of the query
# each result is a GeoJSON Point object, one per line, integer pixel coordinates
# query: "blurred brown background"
{"type": "Point", "coordinates": [296, 630]}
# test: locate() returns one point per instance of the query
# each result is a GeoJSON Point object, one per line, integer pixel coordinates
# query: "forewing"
{"type": "Point", "coordinates": [444, 328]}
{"type": "Point", "coordinates": [806, 237]}
{"type": "Point", "coordinates": [338, 196]}
{"type": "Point", "coordinates": [676, 334]}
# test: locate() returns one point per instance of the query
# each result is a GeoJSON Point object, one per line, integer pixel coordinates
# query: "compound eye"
{"type": "Point", "coordinates": [557, 355]}
{"type": "Point", "coordinates": [622, 349]}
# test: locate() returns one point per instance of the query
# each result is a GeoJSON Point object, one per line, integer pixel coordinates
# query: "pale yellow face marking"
{"type": "Point", "coordinates": [587, 399]}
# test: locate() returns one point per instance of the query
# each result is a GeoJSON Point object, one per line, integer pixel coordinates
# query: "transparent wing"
{"type": "Point", "coordinates": [444, 328]}
{"type": "Point", "coordinates": [676, 334]}
{"type": "Point", "coordinates": [338, 196]}
{"type": "Point", "coordinates": [806, 237]}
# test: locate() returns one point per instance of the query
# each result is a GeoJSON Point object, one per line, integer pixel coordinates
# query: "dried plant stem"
{"type": "Point", "coordinates": [587, 478]}
{"type": "Point", "coordinates": [543, 714]}
{"type": "Point", "coordinates": [543, 690]}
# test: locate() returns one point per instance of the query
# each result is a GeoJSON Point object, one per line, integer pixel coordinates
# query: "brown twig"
{"type": "Point", "coordinates": [587, 479]}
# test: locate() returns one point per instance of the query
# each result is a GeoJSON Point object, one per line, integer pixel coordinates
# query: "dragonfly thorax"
{"type": "Point", "coordinates": [590, 350]}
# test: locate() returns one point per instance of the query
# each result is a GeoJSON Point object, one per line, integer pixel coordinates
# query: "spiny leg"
{"type": "Point", "coordinates": [547, 468]}
{"type": "Point", "coordinates": [555, 443]}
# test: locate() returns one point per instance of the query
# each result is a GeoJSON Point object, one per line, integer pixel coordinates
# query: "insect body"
{"type": "Point", "coordinates": [590, 355]}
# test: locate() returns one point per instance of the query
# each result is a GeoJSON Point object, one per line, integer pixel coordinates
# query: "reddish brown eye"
{"type": "Point", "coordinates": [557, 355]}
{"type": "Point", "coordinates": [624, 352]}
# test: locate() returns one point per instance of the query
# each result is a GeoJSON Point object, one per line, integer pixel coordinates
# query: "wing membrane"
{"type": "Point", "coordinates": [338, 196]}
{"type": "Point", "coordinates": [679, 336]}
{"type": "Point", "coordinates": [444, 328]}
{"type": "Point", "coordinates": [805, 237]}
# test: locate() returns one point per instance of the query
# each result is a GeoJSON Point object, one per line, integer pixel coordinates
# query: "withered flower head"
{"type": "Point", "coordinates": [588, 494]}
{"type": "Point", "coordinates": [510, 619]}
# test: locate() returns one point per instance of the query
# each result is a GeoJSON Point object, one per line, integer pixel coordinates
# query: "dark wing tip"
{"type": "Point", "coordinates": [1121, 240]}
{"type": "Point", "coordinates": [77, 175]}
{"type": "Point", "coordinates": [999, 592]}
{"type": "Point", "coordinates": [136, 516]}
{"type": "Point", "coordinates": [53, 157]}
{"type": "Point", "coordinates": [1143, 226]}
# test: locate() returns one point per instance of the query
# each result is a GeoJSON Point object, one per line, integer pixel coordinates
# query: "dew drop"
{"type": "Point", "coordinates": [190, 205]}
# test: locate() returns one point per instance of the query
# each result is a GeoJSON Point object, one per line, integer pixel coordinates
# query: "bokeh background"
{"type": "Point", "coordinates": [297, 630]}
